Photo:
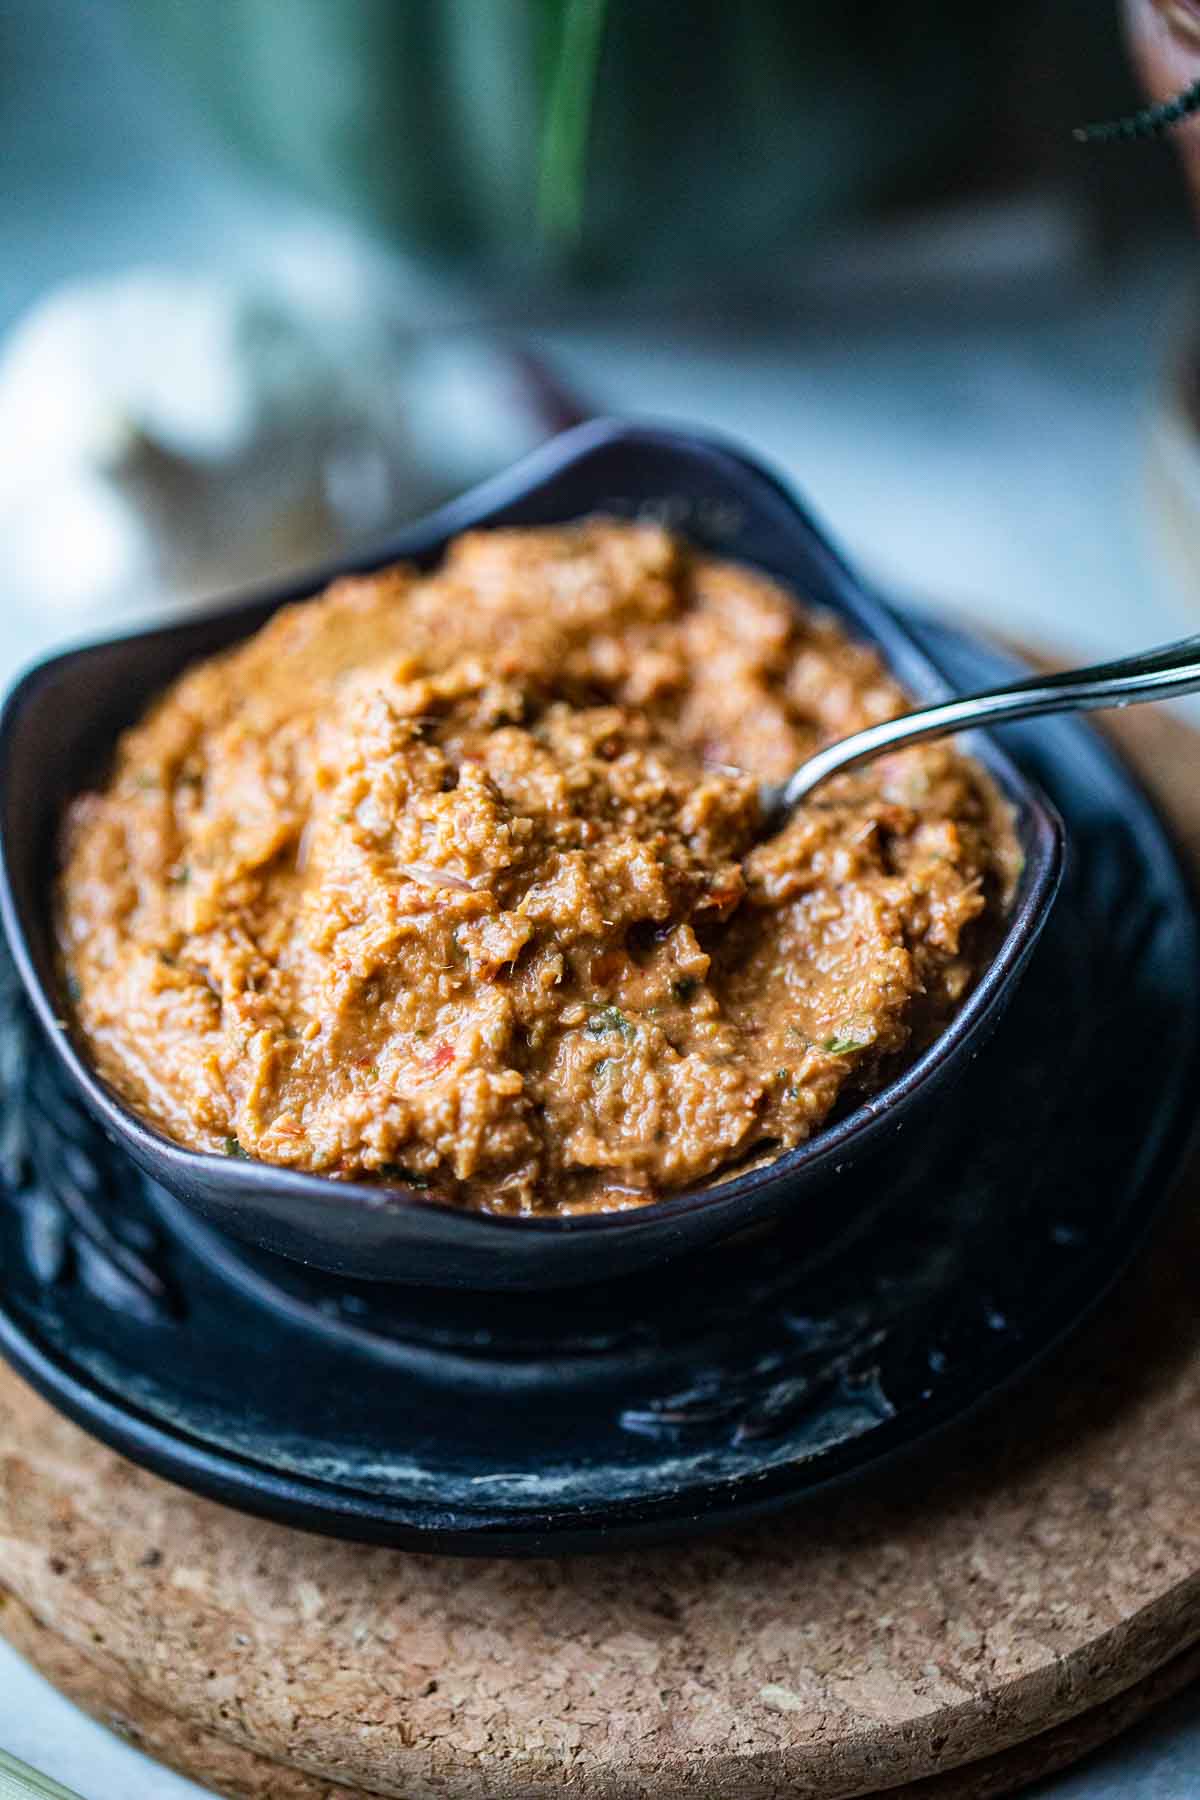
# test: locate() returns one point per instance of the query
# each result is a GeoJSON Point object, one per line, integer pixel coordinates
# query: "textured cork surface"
{"type": "Point", "coordinates": [1003, 1606]}
{"type": "Point", "coordinates": [239, 1774]}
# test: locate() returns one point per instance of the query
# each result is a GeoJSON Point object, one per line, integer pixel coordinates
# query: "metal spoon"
{"type": "Point", "coordinates": [1161, 674]}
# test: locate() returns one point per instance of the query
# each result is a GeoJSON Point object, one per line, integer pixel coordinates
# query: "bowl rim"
{"type": "Point", "coordinates": [869, 615]}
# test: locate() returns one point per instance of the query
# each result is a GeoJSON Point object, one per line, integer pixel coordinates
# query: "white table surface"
{"type": "Point", "coordinates": [989, 462]}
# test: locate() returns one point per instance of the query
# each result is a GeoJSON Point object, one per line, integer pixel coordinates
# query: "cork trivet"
{"type": "Point", "coordinates": [239, 1774]}
{"type": "Point", "coordinates": [998, 1611]}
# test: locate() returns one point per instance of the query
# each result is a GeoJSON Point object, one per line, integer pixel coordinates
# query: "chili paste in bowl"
{"type": "Point", "coordinates": [458, 874]}
{"type": "Point", "coordinates": [415, 920]}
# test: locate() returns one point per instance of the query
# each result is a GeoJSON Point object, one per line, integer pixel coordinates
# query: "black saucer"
{"type": "Point", "coordinates": [731, 1383]}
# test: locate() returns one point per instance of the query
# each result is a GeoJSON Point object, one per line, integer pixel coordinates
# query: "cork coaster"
{"type": "Point", "coordinates": [999, 1611]}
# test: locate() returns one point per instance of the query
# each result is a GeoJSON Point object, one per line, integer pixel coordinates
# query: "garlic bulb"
{"type": "Point", "coordinates": [164, 436]}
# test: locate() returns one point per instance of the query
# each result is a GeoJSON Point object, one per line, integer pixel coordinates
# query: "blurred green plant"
{"type": "Point", "coordinates": [614, 140]}
{"type": "Point", "coordinates": [19, 1782]}
{"type": "Point", "coordinates": [577, 27]}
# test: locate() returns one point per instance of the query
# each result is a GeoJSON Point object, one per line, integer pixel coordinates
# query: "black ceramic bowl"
{"type": "Point", "coordinates": [60, 722]}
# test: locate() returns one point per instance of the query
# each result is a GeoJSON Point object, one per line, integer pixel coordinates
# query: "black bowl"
{"type": "Point", "coordinates": [60, 722]}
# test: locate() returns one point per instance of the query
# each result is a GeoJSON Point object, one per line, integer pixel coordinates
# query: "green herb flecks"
{"type": "Point", "coordinates": [609, 1018]}
{"type": "Point", "coordinates": [684, 989]}
{"type": "Point", "coordinates": [233, 1148]}
{"type": "Point", "coordinates": [842, 1046]}
{"type": "Point", "coordinates": [788, 1085]}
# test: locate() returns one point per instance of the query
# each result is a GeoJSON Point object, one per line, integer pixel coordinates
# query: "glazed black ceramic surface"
{"type": "Point", "coordinates": [60, 723]}
{"type": "Point", "coordinates": [742, 1379]}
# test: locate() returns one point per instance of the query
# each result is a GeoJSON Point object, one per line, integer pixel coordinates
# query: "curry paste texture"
{"type": "Point", "coordinates": [453, 878]}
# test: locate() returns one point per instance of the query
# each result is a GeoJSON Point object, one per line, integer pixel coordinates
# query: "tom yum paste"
{"type": "Point", "coordinates": [453, 879]}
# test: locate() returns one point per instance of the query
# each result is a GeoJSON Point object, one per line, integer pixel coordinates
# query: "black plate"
{"type": "Point", "coordinates": [60, 721]}
{"type": "Point", "coordinates": [743, 1380]}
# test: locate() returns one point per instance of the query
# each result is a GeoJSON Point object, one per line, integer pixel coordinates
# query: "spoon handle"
{"type": "Point", "coordinates": [1162, 674]}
